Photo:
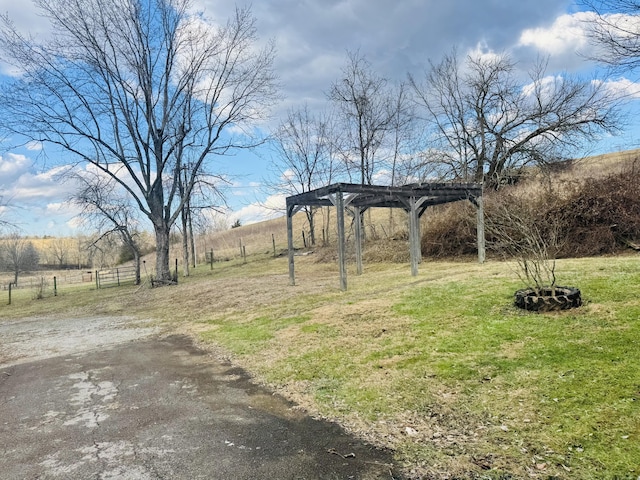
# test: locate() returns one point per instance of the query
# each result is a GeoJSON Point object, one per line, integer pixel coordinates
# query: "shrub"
{"type": "Point", "coordinates": [601, 215]}
{"type": "Point", "coordinates": [590, 216]}
{"type": "Point", "coordinates": [449, 230]}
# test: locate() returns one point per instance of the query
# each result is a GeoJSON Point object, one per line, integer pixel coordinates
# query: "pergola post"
{"type": "Point", "coordinates": [292, 275]}
{"type": "Point", "coordinates": [480, 229]}
{"type": "Point", "coordinates": [341, 240]}
{"type": "Point", "coordinates": [357, 215]}
{"type": "Point", "coordinates": [413, 236]}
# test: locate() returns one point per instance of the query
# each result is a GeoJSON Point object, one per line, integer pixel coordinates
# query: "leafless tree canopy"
{"type": "Point", "coordinates": [518, 235]}
{"type": "Point", "coordinates": [108, 212]}
{"type": "Point", "coordinates": [486, 124]}
{"type": "Point", "coordinates": [616, 32]}
{"type": "Point", "coordinates": [134, 87]}
{"type": "Point", "coordinates": [17, 255]}
{"type": "Point", "coordinates": [369, 111]}
{"type": "Point", "coordinates": [303, 147]}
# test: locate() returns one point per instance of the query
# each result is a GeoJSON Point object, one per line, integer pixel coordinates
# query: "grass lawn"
{"type": "Point", "coordinates": [439, 367]}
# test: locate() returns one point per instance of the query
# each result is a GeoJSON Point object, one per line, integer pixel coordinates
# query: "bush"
{"type": "Point", "coordinates": [601, 215]}
{"type": "Point", "coordinates": [449, 230]}
{"type": "Point", "coordinates": [591, 216]}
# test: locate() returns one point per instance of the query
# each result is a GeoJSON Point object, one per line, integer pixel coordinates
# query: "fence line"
{"type": "Point", "coordinates": [48, 283]}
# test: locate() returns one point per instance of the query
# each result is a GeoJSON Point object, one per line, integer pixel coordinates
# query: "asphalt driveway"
{"type": "Point", "coordinates": [110, 398]}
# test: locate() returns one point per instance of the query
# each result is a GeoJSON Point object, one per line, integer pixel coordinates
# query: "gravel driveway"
{"type": "Point", "coordinates": [114, 398]}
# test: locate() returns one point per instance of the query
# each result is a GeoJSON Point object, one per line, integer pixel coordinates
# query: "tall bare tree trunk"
{"type": "Point", "coordinates": [191, 237]}
{"type": "Point", "coordinates": [163, 272]}
{"type": "Point", "coordinates": [185, 241]}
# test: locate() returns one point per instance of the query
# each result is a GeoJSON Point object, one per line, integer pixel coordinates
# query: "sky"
{"type": "Point", "coordinates": [312, 39]}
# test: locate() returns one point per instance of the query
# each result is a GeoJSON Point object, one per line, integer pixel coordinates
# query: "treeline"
{"type": "Point", "coordinates": [20, 254]}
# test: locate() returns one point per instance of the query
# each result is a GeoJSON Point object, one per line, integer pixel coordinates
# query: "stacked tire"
{"type": "Point", "coordinates": [548, 299]}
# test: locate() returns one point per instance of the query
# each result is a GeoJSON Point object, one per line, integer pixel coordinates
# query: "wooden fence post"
{"type": "Point", "coordinates": [413, 236]}
{"type": "Point", "coordinates": [273, 240]}
{"type": "Point", "coordinates": [290, 250]}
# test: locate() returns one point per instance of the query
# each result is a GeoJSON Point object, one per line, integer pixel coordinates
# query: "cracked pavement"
{"type": "Point", "coordinates": [112, 398]}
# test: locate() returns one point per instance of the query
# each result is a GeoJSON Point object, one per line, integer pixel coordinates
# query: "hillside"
{"type": "Point", "coordinates": [449, 231]}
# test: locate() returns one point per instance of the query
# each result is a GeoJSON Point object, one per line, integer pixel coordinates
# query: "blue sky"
{"type": "Point", "coordinates": [312, 38]}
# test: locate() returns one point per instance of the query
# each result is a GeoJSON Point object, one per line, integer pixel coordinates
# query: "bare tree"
{"type": "Point", "coordinates": [519, 235]}
{"type": "Point", "coordinates": [17, 255]}
{"type": "Point", "coordinates": [133, 87]}
{"type": "Point", "coordinates": [108, 212]}
{"type": "Point", "coordinates": [207, 194]}
{"type": "Point", "coordinates": [103, 251]}
{"type": "Point", "coordinates": [403, 135]}
{"type": "Point", "coordinates": [61, 249]}
{"type": "Point", "coordinates": [365, 112]}
{"type": "Point", "coordinates": [615, 32]}
{"type": "Point", "coordinates": [303, 157]}
{"type": "Point", "coordinates": [487, 125]}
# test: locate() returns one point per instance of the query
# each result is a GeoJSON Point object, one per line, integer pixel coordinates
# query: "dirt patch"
{"type": "Point", "coordinates": [46, 337]}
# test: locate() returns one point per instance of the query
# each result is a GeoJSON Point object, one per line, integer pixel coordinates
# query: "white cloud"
{"type": "Point", "coordinates": [482, 52]}
{"type": "Point", "coordinates": [382, 177]}
{"type": "Point", "coordinates": [26, 19]}
{"type": "Point", "coordinates": [623, 87]}
{"type": "Point", "coordinates": [272, 207]}
{"type": "Point", "coordinates": [567, 34]}
{"type": "Point", "coordinates": [312, 37]}
{"type": "Point", "coordinates": [43, 186]}
{"type": "Point", "coordinates": [34, 146]}
{"type": "Point", "coordinates": [75, 223]}
{"type": "Point", "coordinates": [12, 167]}
{"type": "Point", "coordinates": [545, 87]}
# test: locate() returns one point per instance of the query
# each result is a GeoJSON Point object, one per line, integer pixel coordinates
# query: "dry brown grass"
{"type": "Point", "coordinates": [386, 233]}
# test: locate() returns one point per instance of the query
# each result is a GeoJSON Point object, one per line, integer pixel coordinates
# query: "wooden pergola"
{"type": "Point", "coordinates": [356, 199]}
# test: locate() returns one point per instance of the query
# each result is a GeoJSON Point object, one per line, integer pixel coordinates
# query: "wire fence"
{"type": "Point", "coordinates": [49, 283]}
{"type": "Point", "coordinates": [115, 277]}
{"type": "Point", "coordinates": [32, 281]}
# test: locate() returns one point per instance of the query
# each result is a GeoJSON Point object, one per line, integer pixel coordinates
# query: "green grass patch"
{"type": "Point", "coordinates": [249, 337]}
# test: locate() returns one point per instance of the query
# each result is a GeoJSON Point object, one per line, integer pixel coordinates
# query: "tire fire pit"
{"type": "Point", "coordinates": [548, 299]}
